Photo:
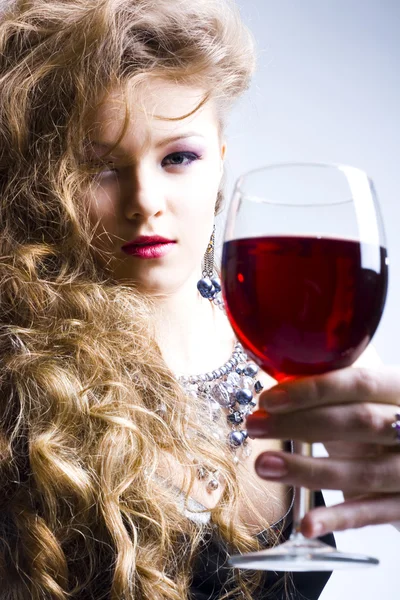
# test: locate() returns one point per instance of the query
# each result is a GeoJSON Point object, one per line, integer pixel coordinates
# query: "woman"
{"type": "Point", "coordinates": [116, 483]}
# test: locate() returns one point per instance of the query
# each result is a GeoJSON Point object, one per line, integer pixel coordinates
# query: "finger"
{"type": "Point", "coordinates": [352, 514]}
{"type": "Point", "coordinates": [356, 423]}
{"type": "Point", "coordinates": [379, 474]}
{"type": "Point", "coordinates": [337, 387]}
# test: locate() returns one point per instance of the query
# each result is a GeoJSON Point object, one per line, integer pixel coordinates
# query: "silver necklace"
{"type": "Point", "coordinates": [231, 389]}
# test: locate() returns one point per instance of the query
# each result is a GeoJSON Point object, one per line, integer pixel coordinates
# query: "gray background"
{"type": "Point", "coordinates": [327, 89]}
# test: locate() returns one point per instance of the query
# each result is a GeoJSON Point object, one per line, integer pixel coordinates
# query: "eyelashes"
{"type": "Point", "coordinates": [178, 159]}
{"type": "Point", "coordinates": [175, 159]}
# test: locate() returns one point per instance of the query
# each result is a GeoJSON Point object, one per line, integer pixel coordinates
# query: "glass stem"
{"type": "Point", "coordinates": [303, 498]}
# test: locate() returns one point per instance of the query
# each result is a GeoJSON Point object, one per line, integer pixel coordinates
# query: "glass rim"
{"type": "Point", "coordinates": [328, 165]}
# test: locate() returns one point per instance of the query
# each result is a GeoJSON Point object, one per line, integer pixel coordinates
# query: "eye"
{"type": "Point", "coordinates": [179, 159]}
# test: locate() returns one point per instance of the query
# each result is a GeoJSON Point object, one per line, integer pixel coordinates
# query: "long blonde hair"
{"type": "Point", "coordinates": [81, 382]}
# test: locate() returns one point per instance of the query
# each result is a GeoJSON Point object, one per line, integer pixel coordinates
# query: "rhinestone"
{"type": "Point", "coordinates": [229, 388]}
{"type": "Point", "coordinates": [246, 409]}
{"type": "Point", "coordinates": [240, 369]}
{"type": "Point", "coordinates": [244, 396]}
{"type": "Point", "coordinates": [223, 370]}
{"type": "Point", "coordinates": [247, 450]}
{"type": "Point", "coordinates": [212, 485]}
{"type": "Point", "coordinates": [258, 387]}
{"type": "Point", "coordinates": [233, 379]}
{"type": "Point", "coordinates": [221, 395]}
{"type": "Point", "coordinates": [209, 376]}
{"type": "Point", "coordinates": [247, 382]}
{"type": "Point", "coordinates": [235, 418]}
{"type": "Point", "coordinates": [251, 370]}
{"type": "Point", "coordinates": [236, 439]}
{"type": "Point", "coordinates": [202, 473]}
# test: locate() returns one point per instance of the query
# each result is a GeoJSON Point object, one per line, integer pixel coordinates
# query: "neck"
{"type": "Point", "coordinates": [193, 334]}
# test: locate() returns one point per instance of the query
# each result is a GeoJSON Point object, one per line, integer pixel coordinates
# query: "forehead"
{"type": "Point", "coordinates": [156, 109]}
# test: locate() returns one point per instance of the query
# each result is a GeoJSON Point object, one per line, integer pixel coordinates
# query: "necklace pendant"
{"type": "Point", "coordinates": [202, 473]}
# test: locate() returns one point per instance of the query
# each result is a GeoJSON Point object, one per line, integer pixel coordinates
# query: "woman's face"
{"type": "Point", "coordinates": [158, 190]}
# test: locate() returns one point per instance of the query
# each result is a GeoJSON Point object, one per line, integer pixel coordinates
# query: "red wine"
{"type": "Point", "coordinates": [303, 305]}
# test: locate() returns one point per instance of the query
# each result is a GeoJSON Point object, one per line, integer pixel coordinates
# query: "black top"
{"type": "Point", "coordinates": [212, 576]}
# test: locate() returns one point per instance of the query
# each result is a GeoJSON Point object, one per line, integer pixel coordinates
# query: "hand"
{"type": "Point", "coordinates": [351, 412]}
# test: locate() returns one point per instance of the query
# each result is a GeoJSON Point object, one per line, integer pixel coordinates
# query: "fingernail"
{"type": "Point", "coordinates": [272, 466]}
{"type": "Point", "coordinates": [276, 399]}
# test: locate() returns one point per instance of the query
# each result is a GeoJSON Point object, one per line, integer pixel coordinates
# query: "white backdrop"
{"type": "Point", "coordinates": [327, 89]}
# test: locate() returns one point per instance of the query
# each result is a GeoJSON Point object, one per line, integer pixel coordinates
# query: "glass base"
{"type": "Point", "coordinates": [301, 554]}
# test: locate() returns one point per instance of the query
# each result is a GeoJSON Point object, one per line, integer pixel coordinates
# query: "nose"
{"type": "Point", "coordinates": [143, 195]}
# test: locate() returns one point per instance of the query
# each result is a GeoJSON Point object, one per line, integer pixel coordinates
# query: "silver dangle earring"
{"type": "Point", "coordinates": [210, 286]}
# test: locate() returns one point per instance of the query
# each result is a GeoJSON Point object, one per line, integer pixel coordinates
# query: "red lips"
{"type": "Point", "coordinates": [149, 246]}
{"type": "Point", "coordinates": [148, 240]}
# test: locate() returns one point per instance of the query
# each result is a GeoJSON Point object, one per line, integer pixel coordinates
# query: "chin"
{"type": "Point", "coordinates": [153, 286]}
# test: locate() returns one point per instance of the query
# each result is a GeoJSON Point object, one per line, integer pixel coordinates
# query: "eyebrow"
{"type": "Point", "coordinates": [163, 142]}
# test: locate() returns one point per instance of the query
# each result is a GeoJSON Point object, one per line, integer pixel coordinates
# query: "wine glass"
{"type": "Point", "coordinates": [304, 276]}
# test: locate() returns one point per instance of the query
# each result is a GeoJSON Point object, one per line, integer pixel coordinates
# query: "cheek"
{"type": "Point", "coordinates": [196, 209]}
{"type": "Point", "coordinates": [201, 190]}
{"type": "Point", "coordinates": [196, 214]}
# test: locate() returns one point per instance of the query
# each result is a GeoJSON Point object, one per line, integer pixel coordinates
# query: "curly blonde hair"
{"type": "Point", "coordinates": [83, 514]}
